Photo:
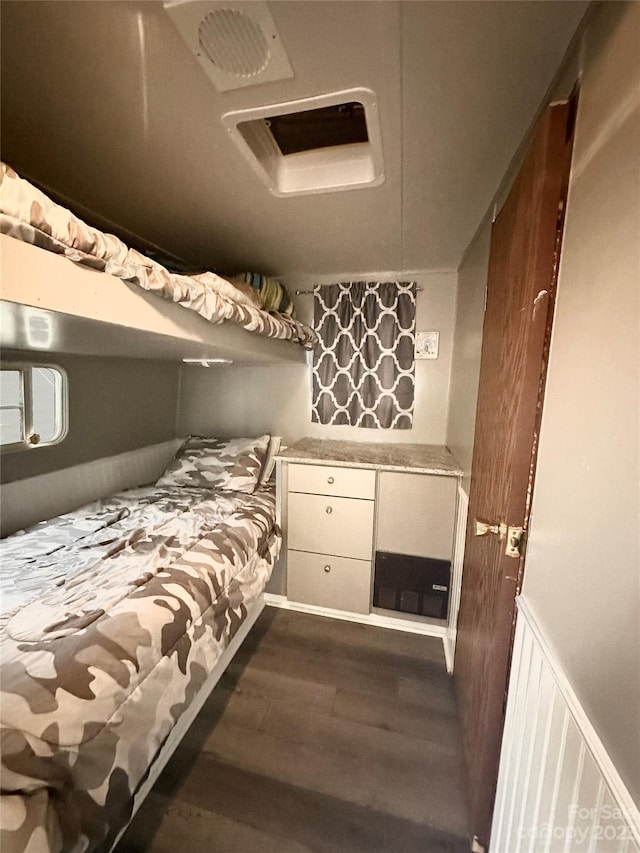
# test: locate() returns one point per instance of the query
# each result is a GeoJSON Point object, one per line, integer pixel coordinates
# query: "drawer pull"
{"type": "Point", "coordinates": [330, 480]}
{"type": "Point", "coordinates": [327, 569]}
{"type": "Point", "coordinates": [329, 510]}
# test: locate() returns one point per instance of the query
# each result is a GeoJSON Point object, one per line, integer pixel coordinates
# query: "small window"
{"type": "Point", "coordinates": [33, 405]}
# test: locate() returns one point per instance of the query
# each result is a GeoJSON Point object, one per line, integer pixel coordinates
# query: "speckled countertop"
{"type": "Point", "coordinates": [414, 458]}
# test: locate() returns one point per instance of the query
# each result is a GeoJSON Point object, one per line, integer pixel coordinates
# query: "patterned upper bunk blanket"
{"type": "Point", "coordinates": [31, 216]}
{"type": "Point", "coordinates": [114, 616]}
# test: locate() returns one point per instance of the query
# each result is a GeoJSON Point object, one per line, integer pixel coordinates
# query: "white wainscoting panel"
{"type": "Point", "coordinates": [456, 577]}
{"type": "Point", "coordinates": [34, 499]}
{"type": "Point", "coordinates": [558, 790]}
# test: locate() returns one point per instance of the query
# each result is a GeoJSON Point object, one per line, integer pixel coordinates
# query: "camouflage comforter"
{"type": "Point", "coordinates": [114, 616]}
{"type": "Point", "coordinates": [31, 216]}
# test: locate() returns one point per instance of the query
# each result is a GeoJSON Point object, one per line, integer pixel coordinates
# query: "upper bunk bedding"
{"type": "Point", "coordinates": [29, 215]}
{"type": "Point", "coordinates": [114, 616]}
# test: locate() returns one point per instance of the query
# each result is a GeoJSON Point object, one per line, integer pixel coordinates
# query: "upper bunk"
{"type": "Point", "coordinates": [67, 287]}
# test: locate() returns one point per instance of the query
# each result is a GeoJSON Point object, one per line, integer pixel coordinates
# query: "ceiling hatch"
{"type": "Point", "coordinates": [326, 143]}
{"type": "Point", "coordinates": [236, 43]}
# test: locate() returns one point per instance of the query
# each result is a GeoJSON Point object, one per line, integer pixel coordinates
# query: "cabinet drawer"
{"type": "Point", "coordinates": [328, 480]}
{"type": "Point", "coordinates": [335, 582]}
{"type": "Point", "coordinates": [330, 525]}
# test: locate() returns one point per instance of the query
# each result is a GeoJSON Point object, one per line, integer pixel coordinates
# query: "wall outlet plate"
{"type": "Point", "coordinates": [427, 344]}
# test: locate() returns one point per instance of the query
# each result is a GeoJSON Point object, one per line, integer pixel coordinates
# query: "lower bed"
{"type": "Point", "coordinates": [115, 617]}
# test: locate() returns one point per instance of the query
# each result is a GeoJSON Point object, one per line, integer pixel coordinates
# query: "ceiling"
{"type": "Point", "coordinates": [104, 105]}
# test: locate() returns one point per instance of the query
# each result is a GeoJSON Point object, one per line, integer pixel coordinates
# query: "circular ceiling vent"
{"type": "Point", "coordinates": [234, 42]}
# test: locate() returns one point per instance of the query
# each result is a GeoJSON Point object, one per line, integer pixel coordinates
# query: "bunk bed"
{"type": "Point", "coordinates": [118, 620]}
{"type": "Point", "coordinates": [113, 285]}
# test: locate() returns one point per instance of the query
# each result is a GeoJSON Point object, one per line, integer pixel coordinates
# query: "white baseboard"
{"type": "Point", "coordinates": [449, 651]}
{"type": "Point", "coordinates": [375, 619]}
{"type": "Point", "coordinates": [462, 510]}
{"type": "Point", "coordinates": [558, 788]}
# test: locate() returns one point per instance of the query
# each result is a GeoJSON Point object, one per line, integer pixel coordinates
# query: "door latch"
{"type": "Point", "coordinates": [515, 542]}
{"type": "Point", "coordinates": [484, 527]}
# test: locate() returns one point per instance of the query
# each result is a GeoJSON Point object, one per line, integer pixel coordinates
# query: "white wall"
{"type": "Point", "coordinates": [467, 349]}
{"type": "Point", "coordinates": [245, 401]}
{"type": "Point", "coordinates": [583, 566]}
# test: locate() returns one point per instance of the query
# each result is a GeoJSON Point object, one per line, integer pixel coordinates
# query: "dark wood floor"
{"type": "Point", "coordinates": [321, 736]}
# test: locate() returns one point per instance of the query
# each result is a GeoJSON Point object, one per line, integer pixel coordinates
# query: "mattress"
{"type": "Point", "coordinates": [113, 617]}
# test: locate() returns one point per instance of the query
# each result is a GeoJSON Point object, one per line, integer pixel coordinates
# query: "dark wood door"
{"type": "Point", "coordinates": [525, 246]}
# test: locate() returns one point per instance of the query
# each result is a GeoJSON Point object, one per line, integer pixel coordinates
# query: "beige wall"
{"type": "Point", "coordinates": [472, 279]}
{"type": "Point", "coordinates": [115, 405]}
{"type": "Point", "coordinates": [242, 400]}
{"type": "Point", "coordinates": [582, 579]}
{"type": "Point", "coordinates": [583, 565]}
{"type": "Point", "coordinates": [467, 348]}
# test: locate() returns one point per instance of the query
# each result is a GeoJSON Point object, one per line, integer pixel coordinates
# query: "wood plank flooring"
{"type": "Point", "coordinates": [322, 736]}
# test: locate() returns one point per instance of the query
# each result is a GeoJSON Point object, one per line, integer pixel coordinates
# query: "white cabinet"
{"type": "Point", "coordinates": [330, 536]}
{"type": "Point", "coordinates": [337, 517]}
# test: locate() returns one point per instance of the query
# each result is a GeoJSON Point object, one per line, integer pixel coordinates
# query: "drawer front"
{"type": "Point", "coordinates": [327, 480]}
{"type": "Point", "coordinates": [335, 582]}
{"type": "Point", "coordinates": [330, 525]}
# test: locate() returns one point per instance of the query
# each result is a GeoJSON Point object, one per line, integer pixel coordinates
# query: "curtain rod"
{"type": "Point", "coordinates": [419, 288]}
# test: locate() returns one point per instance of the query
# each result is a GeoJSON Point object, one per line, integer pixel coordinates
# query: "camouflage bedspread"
{"type": "Point", "coordinates": [31, 216]}
{"type": "Point", "coordinates": [114, 616]}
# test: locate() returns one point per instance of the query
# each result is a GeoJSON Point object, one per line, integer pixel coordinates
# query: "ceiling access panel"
{"type": "Point", "coordinates": [343, 126]}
